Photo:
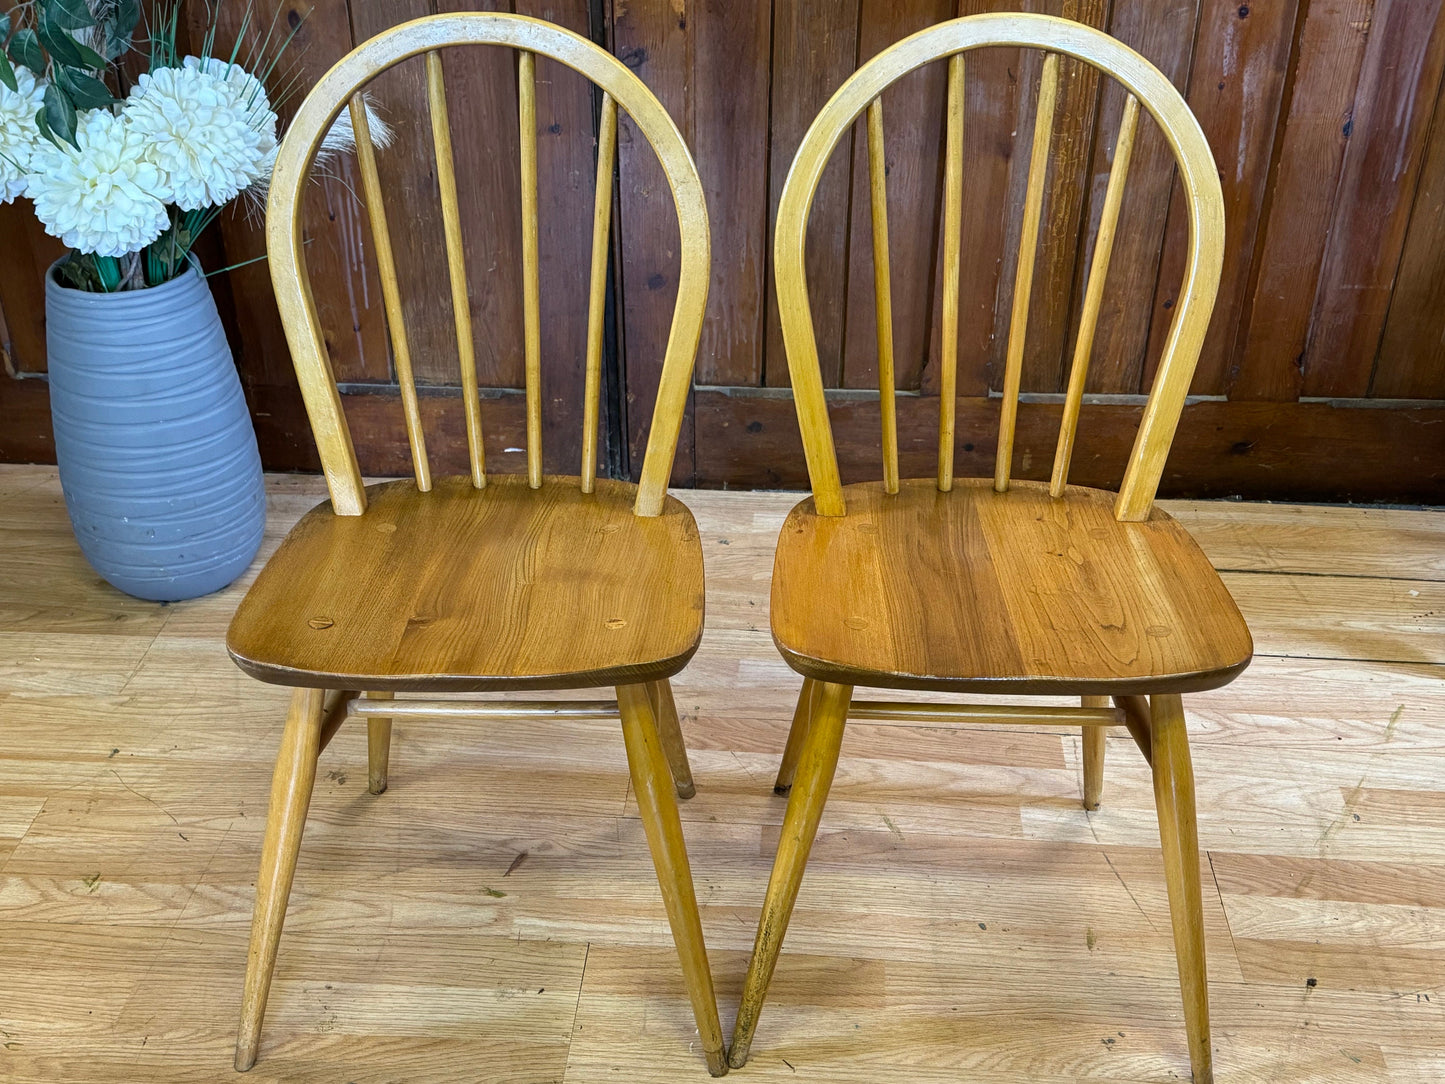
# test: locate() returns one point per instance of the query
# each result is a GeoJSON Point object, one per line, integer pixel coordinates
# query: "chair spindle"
{"type": "Point", "coordinates": [883, 294]}
{"type": "Point", "coordinates": [456, 263]}
{"type": "Point", "coordinates": [597, 301]}
{"type": "Point", "coordinates": [531, 290]}
{"type": "Point", "coordinates": [952, 238]}
{"type": "Point", "coordinates": [1024, 278]}
{"type": "Point", "coordinates": [1094, 294]}
{"type": "Point", "coordinates": [390, 291]}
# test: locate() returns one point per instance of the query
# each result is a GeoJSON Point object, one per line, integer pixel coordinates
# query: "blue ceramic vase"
{"type": "Point", "coordinates": [157, 455]}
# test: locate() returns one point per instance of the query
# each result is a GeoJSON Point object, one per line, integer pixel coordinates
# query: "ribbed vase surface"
{"type": "Point", "coordinates": [156, 450]}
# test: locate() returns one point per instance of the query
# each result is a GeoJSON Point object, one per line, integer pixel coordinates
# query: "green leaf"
{"type": "Point", "coordinates": [69, 14]}
{"type": "Point", "coordinates": [86, 91]}
{"type": "Point", "coordinates": [92, 60]}
{"type": "Point", "coordinates": [121, 27]}
{"type": "Point", "coordinates": [44, 127]}
{"type": "Point", "coordinates": [59, 113]}
{"type": "Point", "coordinates": [61, 46]}
{"type": "Point", "coordinates": [66, 50]}
{"type": "Point", "coordinates": [4, 26]}
{"type": "Point", "coordinates": [7, 73]}
{"type": "Point", "coordinates": [25, 50]}
{"type": "Point", "coordinates": [127, 15]}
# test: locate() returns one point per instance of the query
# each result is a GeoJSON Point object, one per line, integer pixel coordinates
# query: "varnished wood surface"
{"type": "Point", "coordinates": [1201, 202]}
{"type": "Point", "coordinates": [295, 299]}
{"type": "Point", "coordinates": [137, 760]}
{"type": "Point", "coordinates": [464, 588]}
{"type": "Point", "coordinates": [1013, 592]}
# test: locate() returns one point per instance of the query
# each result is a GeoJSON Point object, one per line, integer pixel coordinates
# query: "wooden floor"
{"type": "Point", "coordinates": [494, 916]}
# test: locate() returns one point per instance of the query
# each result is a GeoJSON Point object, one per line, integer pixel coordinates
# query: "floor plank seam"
{"type": "Point", "coordinates": [125, 685]}
{"type": "Point", "coordinates": [1228, 924]}
{"type": "Point", "coordinates": [577, 1011]}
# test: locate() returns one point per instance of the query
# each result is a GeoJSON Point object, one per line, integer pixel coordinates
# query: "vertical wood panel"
{"type": "Point", "coordinates": [1060, 237]}
{"type": "Point", "coordinates": [408, 180]}
{"type": "Point", "coordinates": [1393, 106]}
{"type": "Point", "coordinates": [729, 104]}
{"type": "Point", "coordinates": [566, 154]}
{"type": "Point", "coordinates": [482, 90]}
{"type": "Point", "coordinates": [1235, 89]}
{"type": "Point", "coordinates": [913, 116]}
{"type": "Point", "coordinates": [1163, 31]}
{"type": "Point", "coordinates": [1412, 354]}
{"type": "Point", "coordinates": [29, 251]}
{"type": "Point", "coordinates": [815, 46]}
{"type": "Point", "coordinates": [991, 109]}
{"type": "Point", "coordinates": [655, 41]}
{"type": "Point", "coordinates": [338, 247]}
{"type": "Point", "coordinates": [1303, 182]}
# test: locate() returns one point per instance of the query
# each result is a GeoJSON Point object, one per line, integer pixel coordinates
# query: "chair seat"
{"type": "Point", "coordinates": [1014, 592]}
{"type": "Point", "coordinates": [467, 589]}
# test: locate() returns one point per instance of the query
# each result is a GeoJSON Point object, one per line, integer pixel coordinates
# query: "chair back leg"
{"type": "Point", "coordinates": [669, 730]}
{"type": "Point", "coordinates": [1179, 837]}
{"type": "Point", "coordinates": [290, 798]}
{"type": "Point", "coordinates": [1094, 755]}
{"type": "Point", "coordinates": [797, 736]}
{"type": "Point", "coordinates": [378, 746]}
{"type": "Point", "coordinates": [817, 763]}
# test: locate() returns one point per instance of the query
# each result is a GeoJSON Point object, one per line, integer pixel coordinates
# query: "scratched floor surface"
{"type": "Point", "coordinates": [494, 916]}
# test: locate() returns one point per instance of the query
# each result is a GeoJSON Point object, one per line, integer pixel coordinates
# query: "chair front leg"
{"type": "Point", "coordinates": [653, 784]}
{"type": "Point", "coordinates": [1179, 837]}
{"type": "Point", "coordinates": [817, 763]}
{"type": "Point", "coordinates": [290, 797]}
{"type": "Point", "coordinates": [1094, 755]}
{"type": "Point", "coordinates": [669, 730]}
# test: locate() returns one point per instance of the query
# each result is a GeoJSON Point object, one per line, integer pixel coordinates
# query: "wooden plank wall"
{"type": "Point", "coordinates": [1323, 375]}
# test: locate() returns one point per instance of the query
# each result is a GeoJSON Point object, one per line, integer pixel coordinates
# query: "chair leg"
{"type": "Point", "coordinates": [653, 785]}
{"type": "Point", "coordinates": [1178, 834]}
{"type": "Point", "coordinates": [817, 763]}
{"type": "Point", "coordinates": [669, 729]}
{"type": "Point", "coordinates": [290, 796]}
{"type": "Point", "coordinates": [1094, 755]}
{"type": "Point", "coordinates": [378, 746]}
{"type": "Point", "coordinates": [797, 736]}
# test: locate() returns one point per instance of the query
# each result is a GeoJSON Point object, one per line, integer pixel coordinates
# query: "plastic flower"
{"type": "Point", "coordinates": [249, 92]}
{"type": "Point", "coordinates": [210, 134]}
{"type": "Point", "coordinates": [105, 197]}
{"type": "Point", "coordinates": [18, 134]}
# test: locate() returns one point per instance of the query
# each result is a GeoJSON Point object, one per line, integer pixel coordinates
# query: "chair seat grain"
{"type": "Point", "coordinates": [470, 589]}
{"type": "Point", "coordinates": [1015, 592]}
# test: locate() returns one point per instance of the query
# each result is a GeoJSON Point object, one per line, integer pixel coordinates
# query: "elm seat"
{"type": "Point", "coordinates": [469, 589]}
{"type": "Point", "coordinates": [1016, 592]}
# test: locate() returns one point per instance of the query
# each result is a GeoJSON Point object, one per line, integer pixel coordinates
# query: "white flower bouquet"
{"type": "Point", "coordinates": [129, 175]}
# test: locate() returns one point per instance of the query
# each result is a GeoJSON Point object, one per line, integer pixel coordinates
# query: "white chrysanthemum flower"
{"type": "Point", "coordinates": [249, 95]}
{"type": "Point", "coordinates": [199, 130]}
{"type": "Point", "coordinates": [19, 135]}
{"type": "Point", "coordinates": [105, 197]}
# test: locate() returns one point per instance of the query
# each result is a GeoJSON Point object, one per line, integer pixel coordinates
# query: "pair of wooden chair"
{"type": "Point", "coordinates": [487, 582]}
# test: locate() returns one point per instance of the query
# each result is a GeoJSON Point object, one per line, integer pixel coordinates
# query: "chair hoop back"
{"type": "Point", "coordinates": [1147, 86]}
{"type": "Point", "coordinates": [338, 89]}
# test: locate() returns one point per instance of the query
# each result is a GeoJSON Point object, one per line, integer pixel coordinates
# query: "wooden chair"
{"type": "Point", "coordinates": [485, 582]}
{"type": "Point", "coordinates": [987, 585]}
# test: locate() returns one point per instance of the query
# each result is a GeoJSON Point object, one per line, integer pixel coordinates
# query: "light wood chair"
{"type": "Point", "coordinates": [991, 585]}
{"type": "Point", "coordinates": [484, 582]}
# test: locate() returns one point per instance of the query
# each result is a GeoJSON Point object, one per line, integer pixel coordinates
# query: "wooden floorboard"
{"type": "Point", "coordinates": [494, 916]}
